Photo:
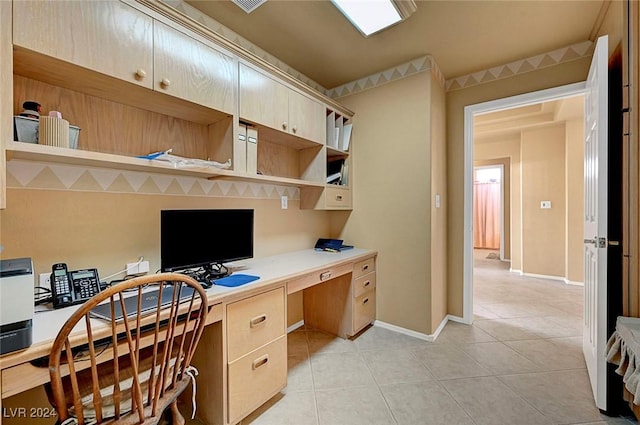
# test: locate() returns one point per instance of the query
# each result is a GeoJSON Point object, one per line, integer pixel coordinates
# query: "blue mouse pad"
{"type": "Point", "coordinates": [235, 280]}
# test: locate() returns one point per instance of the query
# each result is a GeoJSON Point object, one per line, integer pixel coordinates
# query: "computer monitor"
{"type": "Point", "coordinates": [205, 238]}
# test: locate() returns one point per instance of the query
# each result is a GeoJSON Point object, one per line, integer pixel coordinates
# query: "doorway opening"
{"type": "Point", "coordinates": [488, 210]}
{"type": "Point", "coordinates": [501, 107]}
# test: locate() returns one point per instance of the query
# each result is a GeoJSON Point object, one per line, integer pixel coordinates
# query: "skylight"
{"type": "Point", "coordinates": [369, 16]}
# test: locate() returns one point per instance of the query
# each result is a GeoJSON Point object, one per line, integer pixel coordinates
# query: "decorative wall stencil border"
{"type": "Point", "coordinates": [421, 64]}
{"type": "Point", "coordinates": [40, 175]}
{"type": "Point", "coordinates": [565, 54]}
{"type": "Point", "coordinates": [234, 37]}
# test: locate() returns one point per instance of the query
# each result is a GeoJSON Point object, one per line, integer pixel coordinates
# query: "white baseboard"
{"type": "Point", "coordinates": [571, 282]}
{"type": "Point", "coordinates": [516, 271]}
{"type": "Point", "coordinates": [295, 326]}
{"type": "Point", "coordinates": [544, 276]}
{"type": "Point", "coordinates": [420, 335]}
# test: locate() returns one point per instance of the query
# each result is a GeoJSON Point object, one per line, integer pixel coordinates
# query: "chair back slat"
{"type": "Point", "coordinates": [135, 366]}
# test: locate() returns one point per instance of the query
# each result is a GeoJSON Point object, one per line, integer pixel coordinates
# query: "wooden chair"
{"type": "Point", "coordinates": [128, 371]}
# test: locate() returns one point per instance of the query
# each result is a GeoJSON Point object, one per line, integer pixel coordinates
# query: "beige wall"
{"type": "Point", "coordinates": [574, 270]}
{"type": "Point", "coordinates": [108, 230]}
{"type": "Point", "coordinates": [392, 196]}
{"type": "Point", "coordinates": [543, 175]}
{"type": "Point", "coordinates": [438, 213]}
{"type": "Point", "coordinates": [558, 75]}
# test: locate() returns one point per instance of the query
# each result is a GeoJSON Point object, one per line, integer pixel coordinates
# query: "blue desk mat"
{"type": "Point", "coordinates": [235, 280]}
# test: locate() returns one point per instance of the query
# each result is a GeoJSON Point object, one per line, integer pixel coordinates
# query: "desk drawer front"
{"type": "Point", "coordinates": [363, 267]}
{"type": "Point", "coordinates": [311, 279]}
{"type": "Point", "coordinates": [363, 284]}
{"type": "Point", "coordinates": [364, 310]}
{"type": "Point", "coordinates": [253, 322]}
{"type": "Point", "coordinates": [256, 377]}
{"type": "Point", "coordinates": [337, 197]}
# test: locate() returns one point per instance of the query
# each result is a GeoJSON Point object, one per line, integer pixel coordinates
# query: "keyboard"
{"type": "Point", "coordinates": [148, 304]}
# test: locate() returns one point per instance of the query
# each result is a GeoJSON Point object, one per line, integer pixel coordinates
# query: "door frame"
{"type": "Point", "coordinates": [470, 111]}
{"type": "Point", "coordinates": [501, 168]}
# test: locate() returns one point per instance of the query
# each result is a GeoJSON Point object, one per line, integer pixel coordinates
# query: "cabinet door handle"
{"type": "Point", "coordinates": [338, 197]}
{"type": "Point", "coordinates": [284, 125]}
{"type": "Point", "coordinates": [258, 320]}
{"type": "Point", "coordinates": [366, 300]}
{"type": "Point", "coordinates": [140, 74]}
{"type": "Point", "coordinates": [325, 275]}
{"type": "Point", "coordinates": [165, 83]}
{"type": "Point", "coordinates": [294, 129]}
{"type": "Point", "coordinates": [365, 267]}
{"type": "Point", "coordinates": [367, 283]}
{"type": "Point", "coordinates": [260, 361]}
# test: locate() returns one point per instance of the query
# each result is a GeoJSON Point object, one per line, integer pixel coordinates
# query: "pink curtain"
{"type": "Point", "coordinates": [486, 215]}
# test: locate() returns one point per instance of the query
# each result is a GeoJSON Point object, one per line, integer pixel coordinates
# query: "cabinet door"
{"type": "Point", "coordinates": [188, 69]}
{"type": "Point", "coordinates": [263, 100]}
{"type": "Point", "coordinates": [306, 117]}
{"type": "Point", "coordinates": [105, 36]}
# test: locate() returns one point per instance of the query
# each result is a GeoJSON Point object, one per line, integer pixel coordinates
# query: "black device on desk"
{"type": "Point", "coordinates": [73, 287]}
{"type": "Point", "coordinates": [331, 245]}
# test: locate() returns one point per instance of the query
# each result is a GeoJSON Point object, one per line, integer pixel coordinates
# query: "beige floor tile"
{"type": "Point", "coordinates": [297, 343]}
{"type": "Point", "coordinates": [449, 362]}
{"type": "Point", "coordinates": [379, 338]}
{"type": "Point", "coordinates": [552, 354]}
{"type": "Point", "coordinates": [395, 366]}
{"type": "Point", "coordinates": [499, 358]}
{"type": "Point", "coordinates": [506, 329]}
{"type": "Point", "coordinates": [424, 403]}
{"type": "Point", "coordinates": [299, 377]}
{"type": "Point", "coordinates": [340, 370]}
{"type": "Point", "coordinates": [490, 402]}
{"type": "Point", "coordinates": [564, 396]}
{"type": "Point", "coordinates": [459, 333]}
{"type": "Point", "coordinates": [357, 406]}
{"type": "Point", "coordinates": [320, 342]}
{"type": "Point", "coordinates": [292, 408]}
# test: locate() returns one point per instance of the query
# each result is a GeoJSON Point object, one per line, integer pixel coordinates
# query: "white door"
{"type": "Point", "coordinates": [594, 336]}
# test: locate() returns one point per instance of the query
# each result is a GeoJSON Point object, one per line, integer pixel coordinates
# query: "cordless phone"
{"type": "Point", "coordinates": [74, 287]}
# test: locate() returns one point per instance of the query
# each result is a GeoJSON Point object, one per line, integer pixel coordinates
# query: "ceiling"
{"type": "Point", "coordinates": [488, 127]}
{"type": "Point", "coordinates": [463, 36]}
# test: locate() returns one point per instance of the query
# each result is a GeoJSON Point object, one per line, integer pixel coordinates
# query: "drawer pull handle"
{"type": "Point", "coordinates": [338, 197]}
{"type": "Point", "coordinates": [325, 275]}
{"type": "Point", "coordinates": [260, 361]}
{"type": "Point", "coordinates": [367, 283]}
{"type": "Point", "coordinates": [365, 267]}
{"type": "Point", "coordinates": [258, 320]}
{"type": "Point", "coordinates": [366, 300]}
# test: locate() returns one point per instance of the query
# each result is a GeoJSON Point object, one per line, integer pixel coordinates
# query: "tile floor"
{"type": "Point", "coordinates": [519, 364]}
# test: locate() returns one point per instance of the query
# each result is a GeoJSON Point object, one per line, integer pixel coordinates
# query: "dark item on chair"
{"type": "Point", "coordinates": [132, 369]}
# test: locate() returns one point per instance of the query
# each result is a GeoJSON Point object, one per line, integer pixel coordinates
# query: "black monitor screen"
{"type": "Point", "coordinates": [193, 238]}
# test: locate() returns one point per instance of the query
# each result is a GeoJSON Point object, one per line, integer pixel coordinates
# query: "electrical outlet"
{"type": "Point", "coordinates": [44, 280]}
{"type": "Point", "coordinates": [137, 268]}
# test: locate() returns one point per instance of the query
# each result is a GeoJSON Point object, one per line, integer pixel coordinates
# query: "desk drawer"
{"type": "Point", "coordinates": [363, 267]}
{"type": "Point", "coordinates": [364, 310]}
{"type": "Point", "coordinates": [363, 284]}
{"type": "Point", "coordinates": [311, 279]}
{"type": "Point", "coordinates": [337, 197]}
{"type": "Point", "coordinates": [256, 377]}
{"type": "Point", "coordinates": [254, 321]}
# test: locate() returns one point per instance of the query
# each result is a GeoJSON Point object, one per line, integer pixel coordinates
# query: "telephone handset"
{"type": "Point", "coordinates": [73, 287]}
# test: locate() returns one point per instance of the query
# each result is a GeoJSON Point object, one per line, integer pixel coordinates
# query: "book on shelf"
{"type": "Point", "coordinates": [346, 139]}
{"type": "Point", "coordinates": [337, 172]}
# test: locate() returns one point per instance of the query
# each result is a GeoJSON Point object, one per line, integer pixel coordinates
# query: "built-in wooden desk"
{"type": "Point", "coordinates": [242, 356]}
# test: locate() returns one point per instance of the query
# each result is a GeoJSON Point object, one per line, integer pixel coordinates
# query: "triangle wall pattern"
{"type": "Point", "coordinates": [36, 175]}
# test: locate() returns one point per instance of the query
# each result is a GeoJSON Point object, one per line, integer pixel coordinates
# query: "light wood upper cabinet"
{"type": "Point", "coordinates": [106, 36]}
{"type": "Point", "coordinates": [306, 117]}
{"type": "Point", "coordinates": [262, 99]}
{"type": "Point", "coordinates": [265, 101]}
{"type": "Point", "coordinates": [191, 70]}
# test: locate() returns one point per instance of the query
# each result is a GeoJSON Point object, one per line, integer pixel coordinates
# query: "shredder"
{"type": "Point", "coordinates": [16, 304]}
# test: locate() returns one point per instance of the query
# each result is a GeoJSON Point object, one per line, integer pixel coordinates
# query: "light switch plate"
{"type": "Point", "coordinates": [545, 204]}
